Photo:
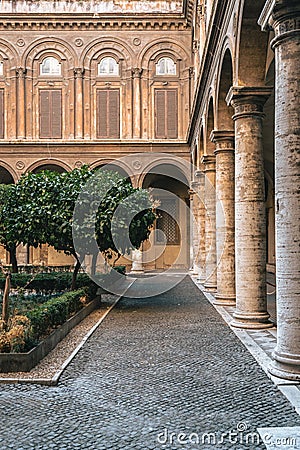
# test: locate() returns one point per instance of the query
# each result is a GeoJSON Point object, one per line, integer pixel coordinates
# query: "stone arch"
{"type": "Point", "coordinates": [158, 48]}
{"type": "Point", "coordinates": [49, 46]}
{"type": "Point", "coordinates": [182, 166]}
{"type": "Point", "coordinates": [224, 112]}
{"type": "Point", "coordinates": [251, 45]}
{"type": "Point", "coordinates": [7, 174]}
{"type": "Point", "coordinates": [108, 47]}
{"type": "Point", "coordinates": [49, 164]}
{"type": "Point", "coordinates": [8, 53]}
{"type": "Point", "coordinates": [118, 166]}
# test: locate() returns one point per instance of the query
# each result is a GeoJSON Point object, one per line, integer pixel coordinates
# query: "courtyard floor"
{"type": "Point", "coordinates": [163, 372]}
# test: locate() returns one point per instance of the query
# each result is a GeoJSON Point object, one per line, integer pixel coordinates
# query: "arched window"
{"type": "Point", "coordinates": [50, 66]}
{"type": "Point", "coordinates": [108, 66]}
{"type": "Point", "coordinates": [165, 66]}
{"type": "Point", "coordinates": [1, 68]}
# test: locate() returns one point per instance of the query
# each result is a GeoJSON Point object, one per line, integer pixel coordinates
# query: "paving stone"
{"type": "Point", "coordinates": [157, 367]}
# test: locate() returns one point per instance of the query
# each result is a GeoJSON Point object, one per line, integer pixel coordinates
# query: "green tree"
{"type": "Point", "coordinates": [8, 213]}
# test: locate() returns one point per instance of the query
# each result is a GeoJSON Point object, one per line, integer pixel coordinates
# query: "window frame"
{"type": "Point", "coordinates": [108, 74]}
{"type": "Point", "coordinates": [50, 74]}
{"type": "Point", "coordinates": [165, 74]}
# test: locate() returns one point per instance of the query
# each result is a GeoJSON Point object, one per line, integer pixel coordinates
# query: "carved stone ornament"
{"type": "Point", "coordinates": [20, 42]}
{"type": "Point", "coordinates": [78, 164]}
{"type": "Point", "coordinates": [20, 165]}
{"type": "Point", "coordinates": [137, 164]}
{"type": "Point", "coordinates": [136, 41]}
{"type": "Point", "coordinates": [79, 42]}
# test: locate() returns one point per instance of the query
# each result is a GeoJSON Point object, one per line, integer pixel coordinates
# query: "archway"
{"type": "Point", "coordinates": [5, 176]}
{"type": "Point", "coordinates": [170, 188]}
{"type": "Point", "coordinates": [51, 167]}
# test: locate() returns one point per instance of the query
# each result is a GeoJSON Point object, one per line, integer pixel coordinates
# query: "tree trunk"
{"type": "Point", "coordinates": [5, 302]}
{"type": "Point", "coordinates": [75, 272]}
{"type": "Point", "coordinates": [13, 259]}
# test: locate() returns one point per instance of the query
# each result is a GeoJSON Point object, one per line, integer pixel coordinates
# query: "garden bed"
{"type": "Point", "coordinates": [24, 362]}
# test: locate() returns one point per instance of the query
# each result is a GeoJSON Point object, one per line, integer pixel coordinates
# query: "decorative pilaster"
{"type": "Point", "coordinates": [285, 20]}
{"type": "Point", "coordinates": [20, 89]}
{"type": "Point", "coordinates": [224, 141]}
{"type": "Point", "coordinates": [136, 109]}
{"type": "Point", "coordinates": [200, 180]}
{"type": "Point", "coordinates": [250, 220]}
{"type": "Point", "coordinates": [78, 76]}
{"type": "Point", "coordinates": [209, 162]}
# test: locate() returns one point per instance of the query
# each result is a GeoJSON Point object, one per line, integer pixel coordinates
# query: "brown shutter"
{"type": "Point", "coordinates": [166, 113]}
{"type": "Point", "coordinates": [108, 113]}
{"type": "Point", "coordinates": [114, 113]}
{"type": "Point", "coordinates": [160, 113]}
{"type": "Point", "coordinates": [45, 114]}
{"type": "Point", "coordinates": [56, 114]}
{"type": "Point", "coordinates": [172, 113]}
{"type": "Point", "coordinates": [102, 124]}
{"type": "Point", "coordinates": [1, 113]}
{"type": "Point", "coordinates": [50, 114]}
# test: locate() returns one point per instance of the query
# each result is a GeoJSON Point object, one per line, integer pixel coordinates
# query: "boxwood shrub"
{"type": "Point", "coordinates": [54, 313]}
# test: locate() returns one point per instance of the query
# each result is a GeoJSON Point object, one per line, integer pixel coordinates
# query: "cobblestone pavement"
{"type": "Point", "coordinates": [156, 367]}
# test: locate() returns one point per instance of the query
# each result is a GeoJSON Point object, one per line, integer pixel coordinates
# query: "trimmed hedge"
{"type": "Point", "coordinates": [48, 282]}
{"type": "Point", "coordinates": [54, 313]}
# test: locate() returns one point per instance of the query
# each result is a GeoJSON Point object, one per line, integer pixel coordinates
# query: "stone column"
{"type": "Point", "coordinates": [78, 75]}
{"type": "Point", "coordinates": [195, 227]}
{"type": "Point", "coordinates": [209, 162]}
{"type": "Point", "coordinates": [224, 141]}
{"type": "Point", "coordinates": [286, 44]}
{"type": "Point", "coordinates": [137, 261]}
{"type": "Point", "coordinates": [200, 180]}
{"type": "Point", "coordinates": [250, 215]}
{"type": "Point", "coordinates": [20, 73]}
{"type": "Point", "coordinates": [136, 109]}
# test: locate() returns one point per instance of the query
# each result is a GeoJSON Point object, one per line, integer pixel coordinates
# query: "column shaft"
{"type": "Point", "coordinates": [287, 194]}
{"type": "Point", "coordinates": [136, 110]}
{"type": "Point", "coordinates": [78, 73]}
{"type": "Point", "coordinates": [224, 141]}
{"type": "Point", "coordinates": [209, 162]}
{"type": "Point", "coordinates": [250, 220]}
{"type": "Point", "coordinates": [20, 72]}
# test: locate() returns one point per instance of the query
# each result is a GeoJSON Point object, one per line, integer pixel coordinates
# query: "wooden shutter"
{"type": "Point", "coordinates": [108, 113]}
{"type": "Point", "coordinates": [166, 114]}
{"type": "Point", "coordinates": [56, 128]}
{"type": "Point", "coordinates": [1, 113]}
{"type": "Point", "coordinates": [50, 114]}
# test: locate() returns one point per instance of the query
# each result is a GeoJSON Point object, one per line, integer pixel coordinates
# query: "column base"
{"type": "Point", "coordinates": [210, 287]}
{"type": "Point", "coordinates": [224, 300]}
{"type": "Point", "coordinates": [254, 321]}
{"type": "Point", "coordinates": [285, 366]}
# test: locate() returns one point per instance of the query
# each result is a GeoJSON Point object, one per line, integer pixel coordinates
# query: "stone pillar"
{"type": "Point", "coordinates": [136, 109]}
{"type": "Point", "coordinates": [250, 215]}
{"type": "Point", "coordinates": [224, 141]}
{"type": "Point", "coordinates": [200, 180]}
{"type": "Point", "coordinates": [78, 75]}
{"type": "Point", "coordinates": [20, 73]}
{"type": "Point", "coordinates": [286, 44]}
{"type": "Point", "coordinates": [195, 227]}
{"type": "Point", "coordinates": [209, 162]}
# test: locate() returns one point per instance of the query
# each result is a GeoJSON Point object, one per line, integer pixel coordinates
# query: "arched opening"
{"type": "Point", "coordinates": [52, 167]}
{"type": "Point", "coordinates": [170, 187]}
{"type": "Point", "coordinates": [114, 168]}
{"type": "Point", "coordinates": [5, 176]}
{"type": "Point", "coordinates": [46, 255]}
{"type": "Point", "coordinates": [225, 112]}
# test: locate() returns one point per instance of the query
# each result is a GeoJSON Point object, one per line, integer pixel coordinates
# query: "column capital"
{"type": "Point", "coordinates": [78, 72]}
{"type": "Point", "coordinates": [223, 139]}
{"type": "Point", "coordinates": [21, 72]}
{"type": "Point", "coordinates": [136, 72]}
{"type": "Point", "coordinates": [248, 101]}
{"type": "Point", "coordinates": [280, 15]}
{"type": "Point", "coordinates": [209, 162]}
{"type": "Point", "coordinates": [199, 175]}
